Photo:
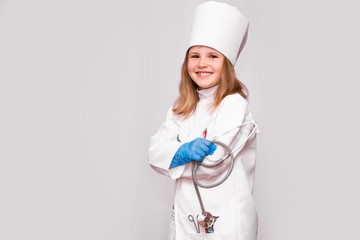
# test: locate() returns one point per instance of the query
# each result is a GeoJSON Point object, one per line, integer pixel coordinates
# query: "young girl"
{"type": "Point", "coordinates": [212, 105]}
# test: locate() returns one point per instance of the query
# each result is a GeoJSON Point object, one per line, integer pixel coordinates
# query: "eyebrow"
{"type": "Point", "coordinates": [210, 53]}
{"type": "Point", "coordinates": [214, 53]}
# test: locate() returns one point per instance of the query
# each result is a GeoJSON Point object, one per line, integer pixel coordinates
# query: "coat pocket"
{"type": "Point", "coordinates": [202, 236]}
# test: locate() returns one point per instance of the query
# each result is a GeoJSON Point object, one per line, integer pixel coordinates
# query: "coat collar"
{"type": "Point", "coordinates": [188, 123]}
{"type": "Point", "coordinates": [207, 93]}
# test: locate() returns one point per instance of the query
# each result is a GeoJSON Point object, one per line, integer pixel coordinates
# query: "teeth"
{"type": "Point", "coordinates": [204, 74]}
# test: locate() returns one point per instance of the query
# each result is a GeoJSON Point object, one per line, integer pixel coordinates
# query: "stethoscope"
{"type": "Point", "coordinates": [206, 219]}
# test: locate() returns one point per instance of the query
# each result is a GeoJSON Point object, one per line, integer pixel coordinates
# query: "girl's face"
{"type": "Point", "coordinates": [205, 65]}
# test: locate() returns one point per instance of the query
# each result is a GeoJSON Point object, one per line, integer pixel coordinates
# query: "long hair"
{"type": "Point", "coordinates": [188, 98]}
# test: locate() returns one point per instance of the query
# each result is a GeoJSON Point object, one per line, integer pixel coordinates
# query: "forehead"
{"type": "Point", "coordinates": [203, 49]}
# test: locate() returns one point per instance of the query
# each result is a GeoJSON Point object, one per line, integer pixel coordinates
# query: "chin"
{"type": "Point", "coordinates": [204, 87]}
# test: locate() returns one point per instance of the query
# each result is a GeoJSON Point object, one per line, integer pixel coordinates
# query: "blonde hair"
{"type": "Point", "coordinates": [188, 98]}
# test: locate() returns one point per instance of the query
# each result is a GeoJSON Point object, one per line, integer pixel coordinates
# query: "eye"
{"type": "Point", "coordinates": [194, 56]}
{"type": "Point", "coordinates": [213, 56]}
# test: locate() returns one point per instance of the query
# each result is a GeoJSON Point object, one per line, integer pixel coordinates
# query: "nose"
{"type": "Point", "coordinates": [202, 62]}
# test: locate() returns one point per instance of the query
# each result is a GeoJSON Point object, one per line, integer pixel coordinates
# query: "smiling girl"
{"type": "Point", "coordinates": [212, 104]}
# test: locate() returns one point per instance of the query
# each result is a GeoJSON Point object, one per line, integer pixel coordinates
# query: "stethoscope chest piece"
{"type": "Point", "coordinates": [206, 220]}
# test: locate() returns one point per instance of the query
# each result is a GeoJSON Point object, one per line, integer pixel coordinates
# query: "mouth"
{"type": "Point", "coordinates": [203, 74]}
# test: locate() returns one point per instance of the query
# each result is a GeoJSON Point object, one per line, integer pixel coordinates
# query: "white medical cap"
{"type": "Point", "coordinates": [219, 26]}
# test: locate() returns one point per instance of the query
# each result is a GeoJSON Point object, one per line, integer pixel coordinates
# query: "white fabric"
{"type": "Point", "coordinates": [232, 201]}
{"type": "Point", "coordinates": [219, 26]}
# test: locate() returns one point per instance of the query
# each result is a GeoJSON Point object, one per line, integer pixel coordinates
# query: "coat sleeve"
{"type": "Point", "coordinates": [232, 112]}
{"type": "Point", "coordinates": [163, 146]}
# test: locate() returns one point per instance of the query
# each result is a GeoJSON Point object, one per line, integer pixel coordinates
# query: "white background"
{"type": "Point", "coordinates": [85, 83]}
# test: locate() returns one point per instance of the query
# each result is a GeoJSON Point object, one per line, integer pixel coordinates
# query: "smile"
{"type": "Point", "coordinates": [203, 74]}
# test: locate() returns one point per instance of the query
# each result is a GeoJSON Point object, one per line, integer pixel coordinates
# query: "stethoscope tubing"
{"type": "Point", "coordinates": [230, 155]}
{"type": "Point", "coordinates": [196, 164]}
{"type": "Point", "coordinates": [218, 161]}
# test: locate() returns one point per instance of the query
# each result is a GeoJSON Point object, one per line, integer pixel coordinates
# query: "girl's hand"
{"type": "Point", "coordinates": [194, 150]}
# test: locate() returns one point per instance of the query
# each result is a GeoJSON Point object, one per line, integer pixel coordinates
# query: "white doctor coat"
{"type": "Point", "coordinates": [232, 201]}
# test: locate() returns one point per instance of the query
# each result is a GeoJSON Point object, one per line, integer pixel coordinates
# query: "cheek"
{"type": "Point", "coordinates": [190, 69]}
{"type": "Point", "coordinates": [219, 67]}
{"type": "Point", "coordinates": [190, 65]}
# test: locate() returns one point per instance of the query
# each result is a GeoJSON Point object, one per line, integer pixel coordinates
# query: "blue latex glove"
{"type": "Point", "coordinates": [194, 150]}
